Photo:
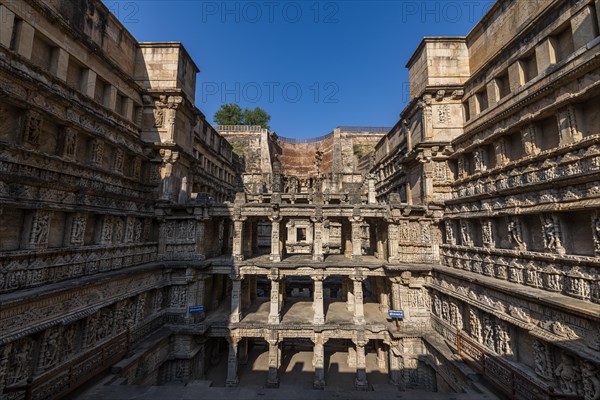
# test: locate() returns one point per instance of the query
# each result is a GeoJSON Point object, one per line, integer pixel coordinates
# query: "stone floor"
{"type": "Point", "coordinates": [296, 376]}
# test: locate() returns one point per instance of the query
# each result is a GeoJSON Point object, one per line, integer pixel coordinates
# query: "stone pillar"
{"type": "Point", "coordinates": [88, 82]}
{"type": "Point", "coordinates": [275, 240]}
{"type": "Point", "coordinates": [361, 382]}
{"type": "Point", "coordinates": [238, 231]}
{"type": "Point", "coordinates": [349, 290]}
{"type": "Point", "coordinates": [381, 356]}
{"type": "Point", "coordinates": [384, 297]}
{"type": "Point", "coordinates": [128, 108]}
{"type": "Point", "coordinates": [351, 356]}
{"type": "Point", "coordinates": [516, 76]}
{"type": "Point", "coordinates": [318, 307]}
{"type": "Point", "coordinates": [236, 289]}
{"type": "Point", "coordinates": [545, 55]}
{"type": "Point", "coordinates": [319, 362]}
{"type": "Point", "coordinates": [395, 367]}
{"type": "Point", "coordinates": [372, 192]}
{"type": "Point", "coordinates": [396, 299]}
{"type": "Point", "coordinates": [110, 97]}
{"type": "Point", "coordinates": [253, 294]}
{"type": "Point", "coordinates": [246, 292]}
{"type": "Point", "coordinates": [6, 28]}
{"type": "Point", "coordinates": [493, 93]}
{"type": "Point", "coordinates": [62, 64]}
{"type": "Point", "coordinates": [569, 125]}
{"type": "Point", "coordinates": [359, 311]}
{"type": "Point", "coordinates": [272, 377]}
{"type": "Point", "coordinates": [24, 39]}
{"type": "Point", "coordinates": [232, 362]}
{"type": "Point", "coordinates": [393, 241]}
{"type": "Point", "coordinates": [583, 27]}
{"type": "Point", "coordinates": [201, 240]}
{"type": "Point", "coordinates": [500, 150]}
{"type": "Point", "coordinates": [274, 313]}
{"type": "Point", "coordinates": [596, 232]}
{"type": "Point", "coordinates": [598, 12]}
{"type": "Point", "coordinates": [318, 240]}
{"type": "Point", "coordinates": [243, 352]}
{"type": "Point", "coordinates": [529, 137]}
{"type": "Point", "coordinates": [356, 238]}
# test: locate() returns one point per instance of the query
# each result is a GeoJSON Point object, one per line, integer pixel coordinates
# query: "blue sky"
{"type": "Point", "coordinates": [313, 65]}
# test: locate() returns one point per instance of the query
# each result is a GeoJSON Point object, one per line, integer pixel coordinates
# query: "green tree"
{"type": "Point", "coordinates": [258, 116]}
{"type": "Point", "coordinates": [229, 114]}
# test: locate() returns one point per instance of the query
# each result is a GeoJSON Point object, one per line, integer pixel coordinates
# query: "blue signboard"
{"type": "Point", "coordinates": [396, 314]}
{"type": "Point", "coordinates": [196, 309]}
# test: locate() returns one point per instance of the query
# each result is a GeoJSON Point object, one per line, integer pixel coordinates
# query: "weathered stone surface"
{"type": "Point", "coordinates": [139, 239]}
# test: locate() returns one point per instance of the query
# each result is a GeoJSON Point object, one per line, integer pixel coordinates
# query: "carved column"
{"type": "Point", "coordinates": [359, 311]}
{"type": "Point", "coordinates": [274, 313]}
{"type": "Point", "coordinates": [232, 362]}
{"type": "Point", "coordinates": [169, 158]}
{"type": "Point", "coordinates": [201, 240]}
{"type": "Point", "coordinates": [238, 230]}
{"type": "Point", "coordinates": [596, 232]}
{"type": "Point", "coordinates": [450, 238]}
{"type": "Point", "coordinates": [351, 356]}
{"type": "Point", "coordinates": [395, 369]}
{"type": "Point", "coordinates": [552, 234]}
{"type": "Point", "coordinates": [69, 143]}
{"type": "Point", "coordinates": [361, 382]}
{"type": "Point", "coordinates": [248, 238]}
{"type": "Point", "coordinates": [274, 356]}
{"type": "Point", "coordinates": [479, 160]}
{"type": "Point", "coordinates": [381, 356]}
{"type": "Point", "coordinates": [500, 150]}
{"type": "Point", "coordinates": [356, 238]}
{"type": "Point", "coordinates": [529, 138]}
{"type": "Point", "coordinates": [569, 125]}
{"type": "Point", "coordinates": [372, 199]}
{"type": "Point", "coordinates": [515, 233]}
{"type": "Point", "coordinates": [393, 241]}
{"type": "Point", "coordinates": [76, 224]}
{"type": "Point", "coordinates": [32, 128]}
{"type": "Point", "coordinates": [349, 291]}
{"type": "Point", "coordinates": [466, 233]}
{"type": "Point", "coordinates": [236, 289]}
{"type": "Point", "coordinates": [253, 293]}
{"type": "Point", "coordinates": [38, 229]}
{"type": "Point", "coordinates": [487, 233]}
{"type": "Point", "coordinates": [396, 295]}
{"type": "Point", "coordinates": [319, 362]}
{"type": "Point", "coordinates": [318, 240]}
{"type": "Point", "coordinates": [246, 292]}
{"type": "Point", "coordinates": [275, 240]}
{"type": "Point", "coordinates": [318, 307]}
{"type": "Point", "coordinates": [243, 352]}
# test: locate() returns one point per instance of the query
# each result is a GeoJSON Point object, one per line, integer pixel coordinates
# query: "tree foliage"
{"type": "Point", "coordinates": [232, 114]}
{"type": "Point", "coordinates": [229, 114]}
{"type": "Point", "coordinates": [258, 116]}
